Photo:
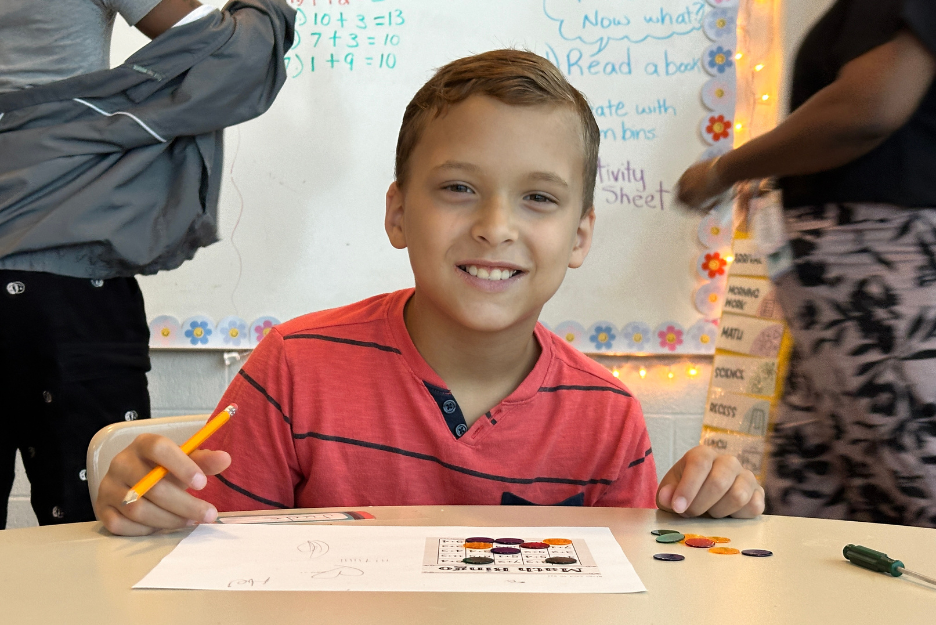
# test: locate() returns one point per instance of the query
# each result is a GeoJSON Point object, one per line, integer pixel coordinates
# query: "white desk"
{"type": "Point", "coordinates": [79, 574]}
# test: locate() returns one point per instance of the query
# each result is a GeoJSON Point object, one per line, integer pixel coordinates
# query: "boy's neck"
{"type": "Point", "coordinates": [480, 368]}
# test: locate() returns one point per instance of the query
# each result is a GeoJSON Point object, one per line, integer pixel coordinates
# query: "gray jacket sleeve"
{"type": "Point", "coordinates": [236, 82]}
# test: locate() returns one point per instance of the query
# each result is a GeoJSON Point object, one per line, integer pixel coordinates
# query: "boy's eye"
{"type": "Point", "coordinates": [457, 188]}
{"type": "Point", "coordinates": [539, 197]}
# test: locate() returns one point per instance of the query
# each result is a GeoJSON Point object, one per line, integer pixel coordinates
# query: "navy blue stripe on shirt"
{"type": "Point", "coordinates": [335, 339]}
{"type": "Point", "coordinates": [447, 465]}
{"type": "Point", "coordinates": [576, 387]}
{"type": "Point", "coordinates": [269, 398]}
{"type": "Point", "coordinates": [640, 460]}
{"type": "Point", "coordinates": [244, 491]}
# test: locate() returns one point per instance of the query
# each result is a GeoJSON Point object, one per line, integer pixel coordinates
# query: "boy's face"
{"type": "Point", "coordinates": [492, 211]}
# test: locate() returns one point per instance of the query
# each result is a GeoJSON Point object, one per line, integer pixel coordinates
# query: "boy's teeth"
{"type": "Point", "coordinates": [493, 274]}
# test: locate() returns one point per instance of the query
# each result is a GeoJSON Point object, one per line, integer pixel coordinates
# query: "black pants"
{"type": "Point", "coordinates": [73, 359]}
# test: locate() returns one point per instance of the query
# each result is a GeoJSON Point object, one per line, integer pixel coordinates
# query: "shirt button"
{"type": "Point", "coordinates": [131, 415]}
{"type": "Point", "coordinates": [15, 288]}
{"type": "Point", "coordinates": [97, 283]}
{"type": "Point", "coordinates": [83, 475]}
{"type": "Point", "coordinates": [47, 397]}
{"type": "Point", "coordinates": [57, 513]}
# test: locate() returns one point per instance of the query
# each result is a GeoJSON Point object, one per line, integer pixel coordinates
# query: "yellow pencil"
{"type": "Point", "coordinates": [150, 479]}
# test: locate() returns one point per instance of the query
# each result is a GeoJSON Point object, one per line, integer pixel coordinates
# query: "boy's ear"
{"type": "Point", "coordinates": [393, 220]}
{"type": "Point", "coordinates": [583, 239]}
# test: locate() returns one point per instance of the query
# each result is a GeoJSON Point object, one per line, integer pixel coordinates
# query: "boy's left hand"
{"type": "Point", "coordinates": [704, 481]}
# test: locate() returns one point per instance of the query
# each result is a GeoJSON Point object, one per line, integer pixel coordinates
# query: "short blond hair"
{"type": "Point", "coordinates": [514, 77]}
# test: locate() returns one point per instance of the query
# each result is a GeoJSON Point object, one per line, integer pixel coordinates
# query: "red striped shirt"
{"type": "Point", "coordinates": [337, 408]}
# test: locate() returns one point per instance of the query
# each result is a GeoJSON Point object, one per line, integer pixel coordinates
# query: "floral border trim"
{"type": "Point", "coordinates": [200, 332]}
{"type": "Point", "coordinates": [719, 95]}
{"type": "Point", "coordinates": [636, 337]}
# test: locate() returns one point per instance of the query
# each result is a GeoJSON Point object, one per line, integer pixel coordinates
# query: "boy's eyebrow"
{"type": "Point", "coordinates": [542, 176]}
{"type": "Point", "coordinates": [546, 176]}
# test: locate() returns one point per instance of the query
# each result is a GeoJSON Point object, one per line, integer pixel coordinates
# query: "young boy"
{"type": "Point", "coordinates": [449, 393]}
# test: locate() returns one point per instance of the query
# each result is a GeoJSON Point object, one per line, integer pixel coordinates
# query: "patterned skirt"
{"type": "Point", "coordinates": [855, 433]}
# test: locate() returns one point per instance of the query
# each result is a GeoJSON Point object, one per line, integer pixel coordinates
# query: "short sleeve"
{"type": "Point", "coordinates": [132, 10]}
{"type": "Point", "coordinates": [867, 24]}
{"type": "Point", "coordinates": [264, 469]}
{"type": "Point", "coordinates": [636, 482]}
{"type": "Point", "coordinates": [920, 17]}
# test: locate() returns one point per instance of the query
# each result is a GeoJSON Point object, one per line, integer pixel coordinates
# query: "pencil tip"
{"type": "Point", "coordinates": [130, 498]}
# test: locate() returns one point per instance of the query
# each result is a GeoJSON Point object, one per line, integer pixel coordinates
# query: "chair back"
{"type": "Point", "coordinates": [114, 438]}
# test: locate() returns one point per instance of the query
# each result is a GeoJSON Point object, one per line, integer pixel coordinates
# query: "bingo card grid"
{"type": "Point", "coordinates": [446, 555]}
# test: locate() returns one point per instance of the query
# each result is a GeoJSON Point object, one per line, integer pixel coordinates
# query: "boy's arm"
{"type": "Point", "coordinates": [259, 458]}
{"type": "Point", "coordinates": [706, 482]}
{"type": "Point", "coordinates": [164, 16]}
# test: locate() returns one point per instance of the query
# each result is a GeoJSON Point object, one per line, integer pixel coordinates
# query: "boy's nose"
{"type": "Point", "coordinates": [495, 222]}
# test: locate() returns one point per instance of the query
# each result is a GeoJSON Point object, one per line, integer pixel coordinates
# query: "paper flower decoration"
{"type": "Point", "coordinates": [701, 336]}
{"type": "Point", "coordinates": [718, 93]}
{"type": "Point", "coordinates": [602, 336]}
{"type": "Point", "coordinates": [719, 24]}
{"type": "Point", "coordinates": [637, 336]}
{"type": "Point", "coordinates": [573, 333]}
{"type": "Point", "coordinates": [165, 331]}
{"type": "Point", "coordinates": [714, 265]}
{"type": "Point", "coordinates": [715, 230]}
{"type": "Point", "coordinates": [718, 127]}
{"type": "Point", "coordinates": [720, 59]}
{"type": "Point", "coordinates": [262, 326]}
{"type": "Point", "coordinates": [670, 336]}
{"type": "Point", "coordinates": [198, 332]}
{"type": "Point", "coordinates": [233, 331]}
{"type": "Point", "coordinates": [709, 298]}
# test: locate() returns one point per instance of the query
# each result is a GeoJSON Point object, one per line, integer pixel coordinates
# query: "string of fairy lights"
{"type": "Point", "coordinates": [758, 74]}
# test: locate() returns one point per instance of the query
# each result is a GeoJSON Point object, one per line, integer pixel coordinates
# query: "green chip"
{"type": "Point", "coordinates": [670, 538]}
{"type": "Point", "coordinates": [661, 532]}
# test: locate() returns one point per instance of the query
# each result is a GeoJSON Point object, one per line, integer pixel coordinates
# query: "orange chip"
{"type": "Point", "coordinates": [724, 551]}
{"type": "Point", "coordinates": [478, 545]}
{"type": "Point", "coordinates": [720, 539]}
{"type": "Point", "coordinates": [557, 541]}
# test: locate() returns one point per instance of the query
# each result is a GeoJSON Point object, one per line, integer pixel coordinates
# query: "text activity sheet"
{"type": "Point", "coordinates": [420, 559]}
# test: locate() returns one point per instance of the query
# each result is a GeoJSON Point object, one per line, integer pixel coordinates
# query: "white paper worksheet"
{"type": "Point", "coordinates": [433, 559]}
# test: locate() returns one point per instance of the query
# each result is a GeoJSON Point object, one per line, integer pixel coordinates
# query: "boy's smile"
{"type": "Point", "coordinates": [491, 213]}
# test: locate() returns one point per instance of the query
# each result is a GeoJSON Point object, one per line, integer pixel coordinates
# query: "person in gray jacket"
{"type": "Point", "coordinates": [106, 174]}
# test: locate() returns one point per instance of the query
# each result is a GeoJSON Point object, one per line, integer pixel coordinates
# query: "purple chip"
{"type": "Point", "coordinates": [669, 557]}
{"type": "Point", "coordinates": [479, 539]}
{"type": "Point", "coordinates": [757, 553]}
{"type": "Point", "coordinates": [509, 541]}
{"type": "Point", "coordinates": [505, 551]}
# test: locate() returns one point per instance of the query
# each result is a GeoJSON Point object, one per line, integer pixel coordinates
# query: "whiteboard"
{"type": "Point", "coordinates": [302, 202]}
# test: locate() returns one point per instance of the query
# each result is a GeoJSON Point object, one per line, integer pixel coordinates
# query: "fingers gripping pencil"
{"type": "Point", "coordinates": [150, 479]}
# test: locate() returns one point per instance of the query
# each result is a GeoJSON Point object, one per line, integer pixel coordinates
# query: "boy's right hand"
{"type": "Point", "coordinates": [166, 505]}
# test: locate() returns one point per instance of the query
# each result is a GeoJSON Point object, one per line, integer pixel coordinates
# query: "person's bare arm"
{"type": "Point", "coordinates": [164, 15]}
{"type": "Point", "coordinates": [873, 96]}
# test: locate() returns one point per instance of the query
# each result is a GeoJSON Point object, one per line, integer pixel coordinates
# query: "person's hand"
{"type": "Point", "coordinates": [166, 505]}
{"type": "Point", "coordinates": [704, 481]}
{"type": "Point", "coordinates": [700, 185]}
